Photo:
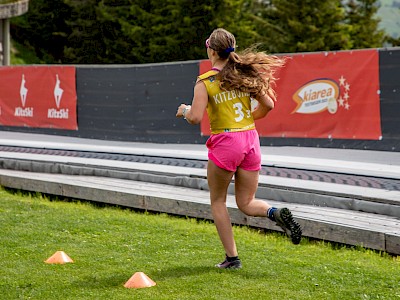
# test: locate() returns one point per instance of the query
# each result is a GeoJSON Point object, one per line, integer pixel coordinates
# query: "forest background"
{"type": "Point", "coordinates": [150, 31]}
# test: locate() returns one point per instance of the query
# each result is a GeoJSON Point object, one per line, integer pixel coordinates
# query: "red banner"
{"type": "Point", "coordinates": [331, 95]}
{"type": "Point", "coordinates": [39, 96]}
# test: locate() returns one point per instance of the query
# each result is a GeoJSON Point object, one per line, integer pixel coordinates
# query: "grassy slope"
{"type": "Point", "coordinates": [109, 245]}
{"type": "Point", "coordinates": [21, 55]}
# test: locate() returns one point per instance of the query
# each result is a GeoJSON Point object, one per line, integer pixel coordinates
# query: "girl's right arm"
{"type": "Point", "coordinates": [265, 105]}
{"type": "Point", "coordinates": [195, 112]}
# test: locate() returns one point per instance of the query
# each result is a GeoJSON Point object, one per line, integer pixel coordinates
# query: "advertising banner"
{"type": "Point", "coordinates": [331, 95]}
{"type": "Point", "coordinates": [38, 96]}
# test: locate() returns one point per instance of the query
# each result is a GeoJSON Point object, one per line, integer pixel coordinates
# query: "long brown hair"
{"type": "Point", "coordinates": [249, 71]}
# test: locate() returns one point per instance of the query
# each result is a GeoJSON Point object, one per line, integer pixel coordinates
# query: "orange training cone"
{"type": "Point", "coordinates": [139, 280]}
{"type": "Point", "coordinates": [60, 257]}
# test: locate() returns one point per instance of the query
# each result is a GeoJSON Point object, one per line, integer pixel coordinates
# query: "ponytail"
{"type": "Point", "coordinates": [251, 72]}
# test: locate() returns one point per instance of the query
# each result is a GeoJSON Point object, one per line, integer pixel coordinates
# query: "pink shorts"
{"type": "Point", "coordinates": [232, 150]}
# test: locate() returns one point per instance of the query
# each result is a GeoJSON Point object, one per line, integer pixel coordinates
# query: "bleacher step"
{"type": "Point", "coordinates": [332, 224]}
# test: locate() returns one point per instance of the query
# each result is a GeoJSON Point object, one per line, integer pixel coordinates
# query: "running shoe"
{"type": "Point", "coordinates": [236, 264]}
{"type": "Point", "coordinates": [284, 219]}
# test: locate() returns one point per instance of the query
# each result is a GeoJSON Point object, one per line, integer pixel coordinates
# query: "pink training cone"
{"type": "Point", "coordinates": [139, 280]}
{"type": "Point", "coordinates": [60, 257]}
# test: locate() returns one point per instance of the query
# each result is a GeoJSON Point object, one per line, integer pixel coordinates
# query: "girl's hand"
{"type": "Point", "coordinates": [179, 112]}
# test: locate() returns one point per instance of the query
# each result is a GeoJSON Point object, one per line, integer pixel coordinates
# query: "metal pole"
{"type": "Point", "coordinates": [6, 42]}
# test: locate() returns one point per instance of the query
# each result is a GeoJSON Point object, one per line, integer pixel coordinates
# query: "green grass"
{"type": "Point", "coordinates": [22, 55]}
{"type": "Point", "coordinates": [108, 245]}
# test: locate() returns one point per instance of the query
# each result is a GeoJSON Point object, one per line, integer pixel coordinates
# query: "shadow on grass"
{"type": "Point", "coordinates": [182, 271]}
{"type": "Point", "coordinates": [97, 281]}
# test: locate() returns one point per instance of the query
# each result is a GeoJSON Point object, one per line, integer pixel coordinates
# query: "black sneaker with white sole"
{"type": "Point", "coordinates": [226, 264]}
{"type": "Point", "coordinates": [284, 219]}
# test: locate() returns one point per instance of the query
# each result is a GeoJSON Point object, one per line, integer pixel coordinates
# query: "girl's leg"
{"type": "Point", "coordinates": [218, 182]}
{"type": "Point", "coordinates": [246, 183]}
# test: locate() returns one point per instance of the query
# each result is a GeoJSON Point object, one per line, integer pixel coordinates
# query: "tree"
{"type": "Point", "coordinates": [176, 29]}
{"type": "Point", "coordinates": [393, 41]}
{"type": "Point", "coordinates": [135, 31]}
{"type": "Point", "coordinates": [95, 36]}
{"type": "Point", "coordinates": [43, 29]}
{"type": "Point", "coordinates": [144, 31]}
{"type": "Point", "coordinates": [129, 31]}
{"type": "Point", "coordinates": [364, 32]}
{"type": "Point", "coordinates": [262, 34]}
{"type": "Point", "coordinates": [309, 25]}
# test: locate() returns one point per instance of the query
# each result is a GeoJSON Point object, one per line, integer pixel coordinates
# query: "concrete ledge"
{"type": "Point", "coordinates": [270, 187]}
{"type": "Point", "coordinates": [393, 242]}
{"type": "Point", "coordinates": [199, 152]}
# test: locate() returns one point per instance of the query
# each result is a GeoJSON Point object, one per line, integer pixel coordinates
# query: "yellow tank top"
{"type": "Point", "coordinates": [228, 111]}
